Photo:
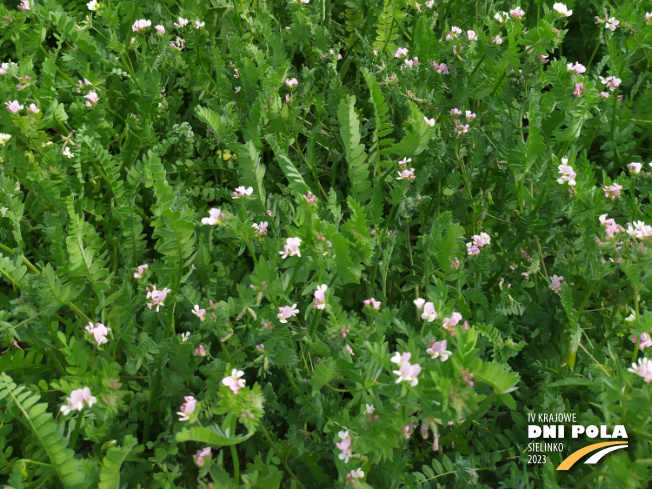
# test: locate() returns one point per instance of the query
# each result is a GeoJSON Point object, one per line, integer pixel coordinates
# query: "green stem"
{"type": "Point", "coordinates": [75, 433]}
{"type": "Point", "coordinates": [636, 313]}
{"type": "Point", "coordinates": [278, 454]}
{"type": "Point", "coordinates": [234, 455]}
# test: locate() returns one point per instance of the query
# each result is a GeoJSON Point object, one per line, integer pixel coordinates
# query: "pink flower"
{"type": "Point", "coordinates": [160, 30]}
{"type": "Point", "coordinates": [497, 40]}
{"type": "Point", "coordinates": [635, 167]}
{"type": "Point", "coordinates": [310, 198]}
{"type": "Point", "coordinates": [141, 25]}
{"type": "Point", "coordinates": [456, 111]}
{"type": "Point", "coordinates": [408, 373]}
{"type": "Point", "coordinates": [200, 313]}
{"type": "Point", "coordinates": [344, 446]}
{"type": "Point", "coordinates": [177, 44]}
{"type": "Point", "coordinates": [260, 347]}
{"type": "Point", "coordinates": [406, 175]}
{"type": "Point", "coordinates": [185, 336]}
{"type": "Point", "coordinates": [612, 82]}
{"type": "Point", "coordinates": [241, 191]}
{"type": "Point", "coordinates": [291, 83]}
{"type": "Point", "coordinates": [200, 455]}
{"type": "Point", "coordinates": [200, 352]}
{"type": "Point", "coordinates": [349, 349]}
{"type": "Point", "coordinates": [33, 109]}
{"type": "Point", "coordinates": [14, 107]}
{"type": "Point", "coordinates": [234, 381]}
{"type": "Point", "coordinates": [356, 474]}
{"type": "Point", "coordinates": [567, 173]}
{"type": "Point", "coordinates": [429, 313]}
{"type": "Point", "coordinates": [213, 217]}
{"type": "Point", "coordinates": [182, 23]}
{"type": "Point", "coordinates": [645, 341]}
{"type": "Point", "coordinates": [481, 239]}
{"type": "Point", "coordinates": [517, 13]}
{"type": "Point", "coordinates": [648, 17]}
{"type": "Point", "coordinates": [576, 68]}
{"type": "Point", "coordinates": [472, 35]}
{"type": "Point", "coordinates": [187, 408]}
{"type": "Point", "coordinates": [291, 248]}
{"type": "Point", "coordinates": [412, 62]}
{"type": "Point", "coordinates": [456, 263]}
{"type": "Point", "coordinates": [501, 17]}
{"type": "Point", "coordinates": [603, 94]}
{"type": "Point", "coordinates": [372, 303]}
{"type": "Point", "coordinates": [555, 283]}
{"type": "Point", "coordinates": [419, 303]}
{"type": "Point", "coordinates": [99, 331]}
{"type": "Point", "coordinates": [401, 359]}
{"type": "Point", "coordinates": [430, 122]}
{"type": "Point", "coordinates": [401, 53]}
{"type": "Point", "coordinates": [472, 249]}
{"type": "Point", "coordinates": [430, 3]}
{"type": "Point", "coordinates": [91, 99]}
{"type": "Point", "coordinates": [640, 230]}
{"type": "Point", "coordinates": [461, 128]}
{"type": "Point", "coordinates": [24, 5]}
{"type": "Point", "coordinates": [579, 89]}
{"type": "Point", "coordinates": [286, 312]}
{"type": "Point", "coordinates": [610, 226]}
{"type": "Point", "coordinates": [199, 25]}
{"type": "Point", "coordinates": [438, 349]}
{"type": "Point", "coordinates": [403, 163]}
{"type": "Point", "coordinates": [77, 399]}
{"type": "Point", "coordinates": [157, 296]}
{"type": "Point", "coordinates": [643, 369]}
{"type": "Point", "coordinates": [469, 116]}
{"type": "Point", "coordinates": [611, 24]}
{"type": "Point", "coordinates": [612, 191]}
{"type": "Point", "coordinates": [452, 321]}
{"type": "Point", "coordinates": [141, 269]}
{"type": "Point", "coordinates": [261, 228]}
{"type": "Point", "coordinates": [320, 297]}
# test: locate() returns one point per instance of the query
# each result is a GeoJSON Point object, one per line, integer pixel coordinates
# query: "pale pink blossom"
{"type": "Point", "coordinates": [261, 228]}
{"type": "Point", "coordinates": [635, 167]}
{"type": "Point", "coordinates": [501, 17]}
{"type": "Point", "coordinates": [452, 321]}
{"type": "Point", "coordinates": [401, 53]}
{"type": "Point", "coordinates": [91, 99]}
{"type": "Point", "coordinates": [442, 69]}
{"type": "Point", "coordinates": [429, 313]}
{"type": "Point", "coordinates": [612, 191]}
{"type": "Point", "coordinates": [291, 83]}
{"type": "Point", "coordinates": [648, 17]}
{"type": "Point", "coordinates": [610, 226]}
{"type": "Point", "coordinates": [344, 446]}
{"type": "Point", "coordinates": [369, 408]}
{"type": "Point", "coordinates": [517, 13]}
{"type": "Point", "coordinates": [4, 67]}
{"type": "Point", "coordinates": [201, 455]}
{"type": "Point", "coordinates": [14, 107]}
{"type": "Point", "coordinates": [198, 24]}
{"type": "Point", "coordinates": [157, 296]}
{"type": "Point", "coordinates": [141, 25]}
{"type": "Point", "coordinates": [612, 82]}
{"type": "Point", "coordinates": [287, 312]}
{"type": "Point", "coordinates": [430, 122]}
{"type": "Point", "coordinates": [644, 342]}
{"type": "Point", "coordinates": [576, 68]}
{"type": "Point", "coordinates": [555, 283]}
{"type": "Point", "coordinates": [437, 349]}
{"type": "Point", "coordinates": [77, 399]}
{"type": "Point", "coordinates": [187, 408]}
{"type": "Point", "coordinates": [472, 249]}
{"type": "Point", "coordinates": [612, 23]}
{"type": "Point", "coordinates": [603, 94]}
{"type": "Point", "coordinates": [455, 31]}
{"type": "Point", "coordinates": [185, 336]}
{"type": "Point", "coordinates": [177, 44]}
{"type": "Point", "coordinates": [497, 40]}
{"type": "Point", "coordinates": [643, 369]}
{"type": "Point", "coordinates": [461, 128]}
{"type": "Point", "coordinates": [260, 347]}
{"type": "Point", "coordinates": [410, 63]}
{"type": "Point", "coordinates": [99, 332]}
{"type": "Point", "coordinates": [456, 111]}
{"type": "Point", "coordinates": [419, 303]}
{"type": "Point", "coordinates": [291, 248]}
{"type": "Point", "coordinates": [356, 474]}
{"type": "Point", "coordinates": [567, 173]}
{"type": "Point", "coordinates": [472, 35]}
{"type": "Point", "coordinates": [310, 198]}
{"type": "Point", "coordinates": [200, 352]}
{"type": "Point", "coordinates": [408, 373]}
{"type": "Point", "coordinates": [372, 303]}
{"type": "Point", "coordinates": [406, 174]}
{"type": "Point", "coordinates": [562, 10]}
{"type": "Point", "coordinates": [349, 349]}
{"type": "Point", "coordinates": [401, 359]}
{"type": "Point", "coordinates": [33, 109]}
{"type": "Point", "coordinates": [200, 313]}
{"type": "Point", "coordinates": [241, 191]}
{"type": "Point", "coordinates": [579, 89]}
{"type": "Point", "coordinates": [213, 218]}
{"type": "Point", "coordinates": [235, 382]}
{"type": "Point", "coordinates": [320, 296]}
{"type": "Point", "coordinates": [403, 163]}
{"type": "Point", "coordinates": [456, 263]}
{"type": "Point", "coordinates": [469, 116]}
{"type": "Point", "coordinates": [639, 230]}
{"type": "Point", "coordinates": [160, 30]}
{"type": "Point", "coordinates": [182, 23]}
{"type": "Point", "coordinates": [430, 3]}
{"type": "Point", "coordinates": [24, 5]}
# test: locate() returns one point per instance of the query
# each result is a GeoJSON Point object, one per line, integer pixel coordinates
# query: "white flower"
{"type": "Point", "coordinates": [66, 152]}
{"type": "Point", "coordinates": [430, 122]}
{"type": "Point", "coordinates": [160, 30]}
{"type": "Point", "coordinates": [562, 10]}
{"type": "Point", "coordinates": [182, 23]}
{"type": "Point", "coordinates": [4, 138]}
{"type": "Point", "coordinates": [291, 248]}
{"type": "Point", "coordinates": [213, 217]}
{"type": "Point", "coordinates": [77, 399]}
{"type": "Point", "coordinates": [141, 25]}
{"type": "Point", "coordinates": [93, 5]}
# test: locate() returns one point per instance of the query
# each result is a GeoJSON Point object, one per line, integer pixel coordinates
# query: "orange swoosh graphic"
{"type": "Point", "coordinates": [575, 456]}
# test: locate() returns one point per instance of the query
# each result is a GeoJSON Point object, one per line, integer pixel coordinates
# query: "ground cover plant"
{"type": "Point", "coordinates": [320, 244]}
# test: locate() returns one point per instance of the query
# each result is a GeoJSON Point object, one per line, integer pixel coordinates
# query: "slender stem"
{"type": "Point", "coordinates": [638, 337]}
{"type": "Point", "coordinates": [25, 260]}
{"type": "Point", "coordinates": [234, 455]}
{"type": "Point", "coordinates": [75, 433]}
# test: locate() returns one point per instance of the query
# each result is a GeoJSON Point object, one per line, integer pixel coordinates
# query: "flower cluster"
{"type": "Point", "coordinates": [157, 296]}
{"type": "Point", "coordinates": [612, 191]}
{"type": "Point", "coordinates": [213, 218]}
{"type": "Point", "coordinates": [567, 174]}
{"type": "Point", "coordinates": [406, 371]}
{"type": "Point", "coordinates": [78, 398]}
{"type": "Point", "coordinates": [639, 230]}
{"type": "Point", "coordinates": [344, 445]}
{"type": "Point", "coordinates": [611, 227]}
{"type": "Point", "coordinates": [479, 240]}
{"type": "Point", "coordinates": [141, 25]}
{"type": "Point", "coordinates": [99, 332]}
{"type": "Point", "coordinates": [373, 303]}
{"type": "Point", "coordinates": [235, 382]}
{"type": "Point", "coordinates": [643, 369]}
{"type": "Point", "coordinates": [241, 191]}
{"type": "Point", "coordinates": [427, 309]}
{"type": "Point", "coordinates": [291, 248]}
